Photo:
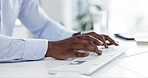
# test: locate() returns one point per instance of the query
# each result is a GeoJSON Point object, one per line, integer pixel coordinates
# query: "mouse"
{"type": "Point", "coordinates": [68, 75]}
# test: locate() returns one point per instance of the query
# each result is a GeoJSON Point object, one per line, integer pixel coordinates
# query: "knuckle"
{"type": "Point", "coordinates": [89, 42]}
{"type": "Point", "coordinates": [102, 36]}
{"type": "Point", "coordinates": [77, 37]}
{"type": "Point", "coordinates": [93, 33]}
{"type": "Point", "coordinates": [106, 36]}
{"type": "Point", "coordinates": [74, 38]}
{"type": "Point", "coordinates": [88, 36]}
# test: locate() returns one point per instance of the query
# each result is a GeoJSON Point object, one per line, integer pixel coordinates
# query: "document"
{"type": "Point", "coordinates": [141, 38]}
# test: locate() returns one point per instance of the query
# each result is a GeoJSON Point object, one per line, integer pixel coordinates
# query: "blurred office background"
{"type": "Point", "coordinates": [101, 16]}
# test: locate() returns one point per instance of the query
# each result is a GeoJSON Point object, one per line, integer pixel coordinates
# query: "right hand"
{"type": "Point", "coordinates": [70, 47]}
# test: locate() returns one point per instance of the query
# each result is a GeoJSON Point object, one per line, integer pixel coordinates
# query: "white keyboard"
{"type": "Point", "coordinates": [90, 64]}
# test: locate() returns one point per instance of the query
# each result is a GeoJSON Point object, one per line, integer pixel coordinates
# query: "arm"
{"type": "Point", "coordinates": [13, 49]}
{"type": "Point", "coordinates": [34, 18]}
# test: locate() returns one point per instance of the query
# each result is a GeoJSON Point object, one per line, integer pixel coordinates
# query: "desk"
{"type": "Point", "coordinates": [124, 66]}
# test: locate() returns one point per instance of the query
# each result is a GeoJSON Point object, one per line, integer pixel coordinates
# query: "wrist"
{"type": "Point", "coordinates": [49, 49]}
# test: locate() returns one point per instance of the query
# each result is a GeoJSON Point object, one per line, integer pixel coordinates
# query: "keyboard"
{"type": "Point", "coordinates": [91, 63]}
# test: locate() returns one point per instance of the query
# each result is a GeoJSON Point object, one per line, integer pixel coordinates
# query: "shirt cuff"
{"type": "Point", "coordinates": [35, 49]}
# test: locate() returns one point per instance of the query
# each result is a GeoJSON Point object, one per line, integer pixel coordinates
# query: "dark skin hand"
{"type": "Point", "coordinates": [70, 47]}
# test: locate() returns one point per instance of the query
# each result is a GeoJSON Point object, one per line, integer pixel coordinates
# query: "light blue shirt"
{"type": "Point", "coordinates": [32, 17]}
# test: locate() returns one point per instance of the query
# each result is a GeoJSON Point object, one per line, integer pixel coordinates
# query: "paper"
{"type": "Point", "coordinates": [142, 40]}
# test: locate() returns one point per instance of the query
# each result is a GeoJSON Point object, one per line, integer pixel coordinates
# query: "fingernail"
{"type": "Point", "coordinates": [106, 46]}
{"type": "Point", "coordinates": [99, 52]}
{"type": "Point", "coordinates": [117, 44]}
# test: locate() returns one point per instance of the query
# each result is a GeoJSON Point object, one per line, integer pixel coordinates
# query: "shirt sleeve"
{"type": "Point", "coordinates": [13, 49]}
{"type": "Point", "coordinates": [35, 19]}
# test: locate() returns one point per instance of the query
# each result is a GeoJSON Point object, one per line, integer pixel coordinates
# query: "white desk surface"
{"type": "Point", "coordinates": [124, 66]}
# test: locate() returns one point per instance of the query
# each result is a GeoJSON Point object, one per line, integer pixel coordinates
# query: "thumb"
{"type": "Point", "coordinates": [81, 54]}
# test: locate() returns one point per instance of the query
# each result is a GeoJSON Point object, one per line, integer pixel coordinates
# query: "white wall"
{"type": "Point", "coordinates": [59, 10]}
{"type": "Point", "coordinates": [65, 11]}
{"type": "Point", "coordinates": [128, 16]}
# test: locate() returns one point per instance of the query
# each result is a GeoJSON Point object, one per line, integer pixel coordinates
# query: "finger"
{"type": "Point", "coordinates": [79, 54]}
{"type": "Point", "coordinates": [97, 49]}
{"type": "Point", "coordinates": [73, 53]}
{"type": "Point", "coordinates": [80, 41]}
{"type": "Point", "coordinates": [112, 42]}
{"type": "Point", "coordinates": [100, 37]}
{"type": "Point", "coordinates": [103, 40]}
{"type": "Point", "coordinates": [76, 53]}
{"type": "Point", "coordinates": [87, 47]}
{"type": "Point", "coordinates": [90, 38]}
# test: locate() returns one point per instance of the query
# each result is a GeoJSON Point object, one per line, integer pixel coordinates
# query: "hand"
{"type": "Point", "coordinates": [103, 38]}
{"type": "Point", "coordinates": [70, 47]}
